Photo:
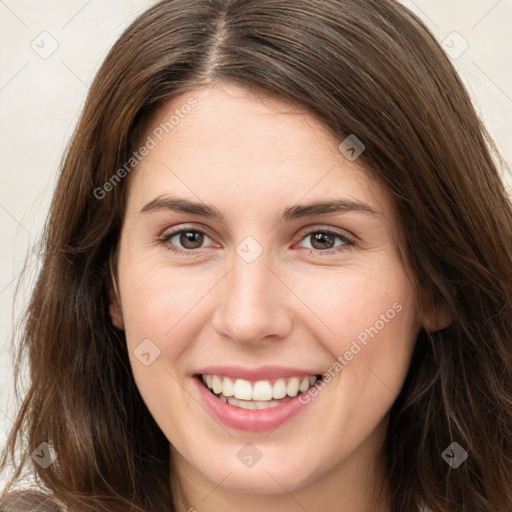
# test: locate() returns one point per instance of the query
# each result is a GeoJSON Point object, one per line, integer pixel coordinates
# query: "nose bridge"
{"type": "Point", "coordinates": [251, 306]}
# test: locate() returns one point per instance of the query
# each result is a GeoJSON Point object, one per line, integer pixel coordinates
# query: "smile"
{"type": "Point", "coordinates": [262, 394]}
{"type": "Point", "coordinates": [254, 399]}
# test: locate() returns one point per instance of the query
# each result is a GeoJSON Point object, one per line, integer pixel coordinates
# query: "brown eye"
{"type": "Point", "coordinates": [321, 240]}
{"type": "Point", "coordinates": [191, 239]}
{"type": "Point", "coordinates": [326, 241]}
{"type": "Point", "coordinates": [184, 240]}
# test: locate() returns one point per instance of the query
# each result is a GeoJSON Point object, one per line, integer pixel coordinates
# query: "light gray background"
{"type": "Point", "coordinates": [41, 96]}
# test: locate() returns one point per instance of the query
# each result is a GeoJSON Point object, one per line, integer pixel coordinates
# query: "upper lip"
{"type": "Point", "coordinates": [255, 374]}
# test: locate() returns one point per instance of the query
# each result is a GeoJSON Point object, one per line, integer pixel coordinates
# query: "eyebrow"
{"type": "Point", "coordinates": [289, 213]}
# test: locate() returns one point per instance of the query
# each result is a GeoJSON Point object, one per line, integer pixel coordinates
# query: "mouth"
{"type": "Point", "coordinates": [261, 394]}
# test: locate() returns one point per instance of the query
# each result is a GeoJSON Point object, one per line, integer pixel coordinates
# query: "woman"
{"type": "Point", "coordinates": [187, 350]}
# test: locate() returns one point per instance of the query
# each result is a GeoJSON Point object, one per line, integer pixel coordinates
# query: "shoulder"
{"type": "Point", "coordinates": [30, 501]}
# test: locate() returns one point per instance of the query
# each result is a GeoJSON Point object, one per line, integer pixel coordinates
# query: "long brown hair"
{"type": "Point", "coordinates": [364, 67]}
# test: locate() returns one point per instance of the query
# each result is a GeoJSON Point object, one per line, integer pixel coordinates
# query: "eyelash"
{"type": "Point", "coordinates": [347, 241]}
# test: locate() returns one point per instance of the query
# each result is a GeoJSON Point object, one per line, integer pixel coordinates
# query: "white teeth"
{"type": "Point", "coordinates": [243, 389]}
{"type": "Point", "coordinates": [247, 404]}
{"type": "Point", "coordinates": [251, 404]}
{"type": "Point", "coordinates": [279, 389]}
{"type": "Point", "coordinates": [216, 384]}
{"type": "Point", "coordinates": [293, 387]}
{"type": "Point", "coordinates": [304, 384]}
{"type": "Point", "coordinates": [261, 391]}
{"type": "Point", "coordinates": [228, 388]}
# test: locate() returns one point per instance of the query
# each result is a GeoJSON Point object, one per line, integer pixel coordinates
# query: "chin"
{"type": "Point", "coordinates": [261, 478]}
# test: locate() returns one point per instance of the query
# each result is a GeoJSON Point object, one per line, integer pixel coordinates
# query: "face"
{"type": "Point", "coordinates": [228, 274]}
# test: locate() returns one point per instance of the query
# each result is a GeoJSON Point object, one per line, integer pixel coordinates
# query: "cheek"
{"type": "Point", "coordinates": [163, 313]}
{"type": "Point", "coordinates": [373, 325]}
{"type": "Point", "coordinates": [360, 304]}
{"type": "Point", "coordinates": [374, 321]}
{"type": "Point", "coordinates": [158, 303]}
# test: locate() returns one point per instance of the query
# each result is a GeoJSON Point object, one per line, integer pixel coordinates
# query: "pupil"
{"type": "Point", "coordinates": [325, 240]}
{"type": "Point", "coordinates": [191, 237]}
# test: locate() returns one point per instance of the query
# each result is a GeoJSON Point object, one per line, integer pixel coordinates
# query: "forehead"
{"type": "Point", "coordinates": [229, 144]}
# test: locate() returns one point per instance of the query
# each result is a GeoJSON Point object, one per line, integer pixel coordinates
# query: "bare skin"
{"type": "Point", "coordinates": [297, 304]}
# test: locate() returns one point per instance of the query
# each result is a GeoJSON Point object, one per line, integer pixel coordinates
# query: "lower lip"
{"type": "Point", "coordinates": [255, 420]}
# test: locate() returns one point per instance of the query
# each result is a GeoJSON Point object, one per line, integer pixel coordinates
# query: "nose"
{"type": "Point", "coordinates": [252, 303]}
